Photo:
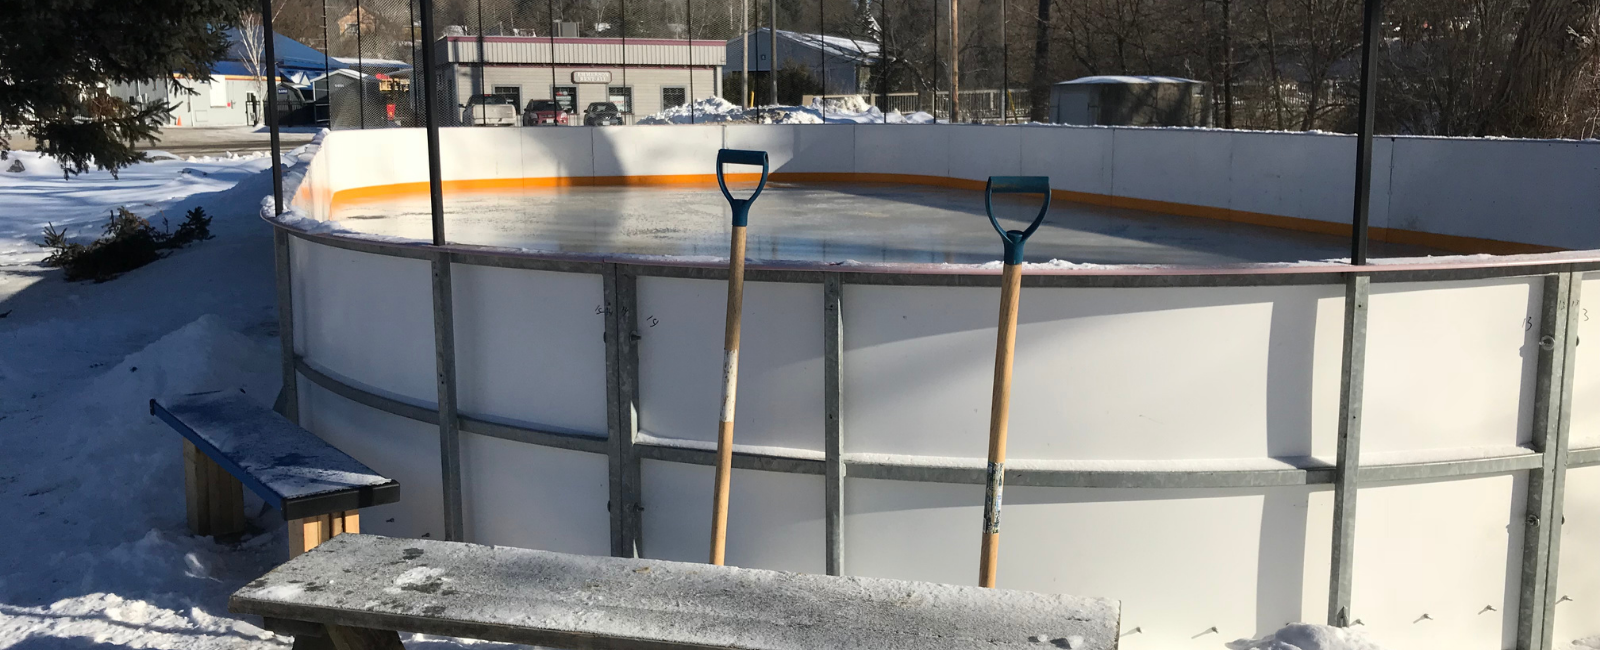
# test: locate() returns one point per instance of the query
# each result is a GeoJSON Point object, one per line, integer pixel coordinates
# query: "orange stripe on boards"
{"type": "Point", "coordinates": [1452, 243]}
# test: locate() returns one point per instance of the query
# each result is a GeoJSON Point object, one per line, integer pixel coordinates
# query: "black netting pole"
{"type": "Point", "coordinates": [883, 56]}
{"type": "Point", "coordinates": [772, 52]}
{"type": "Point", "coordinates": [271, 56]}
{"type": "Point", "coordinates": [744, 53]}
{"type": "Point", "coordinates": [326, 68]}
{"type": "Point", "coordinates": [430, 119]}
{"type": "Point", "coordinates": [550, 11]}
{"type": "Point", "coordinates": [822, 51]}
{"type": "Point", "coordinates": [481, 89]}
{"type": "Point", "coordinates": [361, 86]}
{"type": "Point", "coordinates": [688, 7]}
{"type": "Point", "coordinates": [1005, 64]}
{"type": "Point", "coordinates": [411, 38]}
{"type": "Point", "coordinates": [628, 117]}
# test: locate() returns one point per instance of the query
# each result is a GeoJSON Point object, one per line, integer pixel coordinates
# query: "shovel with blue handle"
{"type": "Point", "coordinates": [730, 341]}
{"type": "Point", "coordinates": [1005, 350]}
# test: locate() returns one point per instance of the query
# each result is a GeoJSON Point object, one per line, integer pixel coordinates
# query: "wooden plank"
{"type": "Point", "coordinates": [196, 496]}
{"type": "Point", "coordinates": [305, 534]}
{"type": "Point", "coordinates": [288, 467]}
{"type": "Point", "coordinates": [227, 501]}
{"type": "Point", "coordinates": [572, 601]}
{"type": "Point", "coordinates": [363, 638]}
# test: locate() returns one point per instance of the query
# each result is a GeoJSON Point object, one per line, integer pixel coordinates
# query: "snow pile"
{"type": "Point", "coordinates": [852, 109]}
{"type": "Point", "coordinates": [1305, 636]}
{"type": "Point", "coordinates": [703, 111]}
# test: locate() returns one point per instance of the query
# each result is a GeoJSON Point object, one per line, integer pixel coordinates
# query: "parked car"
{"type": "Point", "coordinates": [490, 110]}
{"type": "Point", "coordinates": [541, 112]}
{"type": "Point", "coordinates": [602, 114]}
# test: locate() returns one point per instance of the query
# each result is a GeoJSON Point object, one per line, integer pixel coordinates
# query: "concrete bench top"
{"type": "Point", "coordinates": [288, 467]}
{"type": "Point", "coordinates": [575, 601]}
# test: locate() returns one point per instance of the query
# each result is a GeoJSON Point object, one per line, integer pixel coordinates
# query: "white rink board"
{"type": "Point", "coordinates": [1132, 378]}
{"type": "Point", "coordinates": [1462, 187]}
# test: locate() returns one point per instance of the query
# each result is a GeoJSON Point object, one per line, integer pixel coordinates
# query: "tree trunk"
{"type": "Point", "coordinates": [1556, 41]}
{"type": "Point", "coordinates": [1039, 88]}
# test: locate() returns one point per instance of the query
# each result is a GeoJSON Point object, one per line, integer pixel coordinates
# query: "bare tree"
{"type": "Point", "coordinates": [1555, 44]}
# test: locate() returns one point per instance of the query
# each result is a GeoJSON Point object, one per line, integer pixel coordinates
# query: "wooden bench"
{"type": "Point", "coordinates": [231, 443]}
{"type": "Point", "coordinates": [357, 591]}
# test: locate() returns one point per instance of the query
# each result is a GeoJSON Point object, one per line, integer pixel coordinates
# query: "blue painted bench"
{"type": "Point", "coordinates": [357, 592]}
{"type": "Point", "coordinates": [231, 443]}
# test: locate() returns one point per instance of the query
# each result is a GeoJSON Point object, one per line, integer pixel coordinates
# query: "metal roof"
{"type": "Point", "coordinates": [583, 51]}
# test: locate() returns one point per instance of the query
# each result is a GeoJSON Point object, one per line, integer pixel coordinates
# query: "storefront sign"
{"type": "Point", "coordinates": [591, 77]}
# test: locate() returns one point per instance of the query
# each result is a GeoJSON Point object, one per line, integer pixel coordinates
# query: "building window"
{"type": "Point", "coordinates": [622, 96]}
{"type": "Point", "coordinates": [514, 92]}
{"type": "Point", "coordinates": [672, 97]}
{"type": "Point", "coordinates": [567, 97]}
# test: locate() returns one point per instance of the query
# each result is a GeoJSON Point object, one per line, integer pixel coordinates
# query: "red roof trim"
{"type": "Point", "coordinates": [583, 41]}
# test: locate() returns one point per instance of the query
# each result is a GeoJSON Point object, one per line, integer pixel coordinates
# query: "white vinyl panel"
{"type": "Point", "coordinates": [978, 151]}
{"type": "Point", "coordinates": [902, 149]}
{"type": "Point", "coordinates": [1447, 550]}
{"type": "Point", "coordinates": [1149, 374]}
{"type": "Point", "coordinates": [1450, 365]}
{"type": "Point", "coordinates": [548, 152]}
{"type": "Point", "coordinates": [402, 449]}
{"type": "Point", "coordinates": [517, 494]}
{"type": "Point", "coordinates": [1585, 429]}
{"type": "Point", "coordinates": [366, 318]}
{"type": "Point", "coordinates": [1178, 166]}
{"type": "Point", "coordinates": [1077, 159]}
{"type": "Point", "coordinates": [681, 326]}
{"type": "Point", "coordinates": [656, 151]}
{"type": "Point", "coordinates": [530, 347]}
{"type": "Point", "coordinates": [774, 520]}
{"type": "Point", "coordinates": [1578, 577]}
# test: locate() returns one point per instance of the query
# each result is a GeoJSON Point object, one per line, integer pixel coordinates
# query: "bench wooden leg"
{"type": "Point", "coordinates": [305, 534]}
{"type": "Point", "coordinates": [304, 642]}
{"type": "Point", "coordinates": [362, 638]}
{"type": "Point", "coordinates": [215, 499]}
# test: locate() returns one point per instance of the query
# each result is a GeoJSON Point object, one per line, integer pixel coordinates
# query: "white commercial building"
{"type": "Point", "coordinates": [641, 76]}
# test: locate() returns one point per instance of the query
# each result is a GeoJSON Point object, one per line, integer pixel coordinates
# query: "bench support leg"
{"type": "Point", "coordinates": [362, 638]}
{"type": "Point", "coordinates": [305, 534]}
{"type": "Point", "coordinates": [214, 498]}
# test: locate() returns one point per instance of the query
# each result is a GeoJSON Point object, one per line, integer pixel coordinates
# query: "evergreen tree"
{"type": "Point", "coordinates": [57, 57]}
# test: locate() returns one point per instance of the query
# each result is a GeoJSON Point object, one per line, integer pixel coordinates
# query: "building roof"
{"type": "Point", "coordinates": [291, 54]}
{"type": "Point", "coordinates": [838, 46]}
{"type": "Point", "coordinates": [1126, 79]}
{"type": "Point", "coordinates": [538, 50]}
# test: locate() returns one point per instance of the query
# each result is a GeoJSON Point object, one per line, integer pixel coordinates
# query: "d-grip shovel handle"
{"type": "Point", "coordinates": [1016, 185]}
{"type": "Point", "coordinates": [741, 207]}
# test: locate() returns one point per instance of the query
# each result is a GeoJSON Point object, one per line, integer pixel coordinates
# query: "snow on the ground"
{"type": "Point", "coordinates": [39, 196]}
{"type": "Point", "coordinates": [96, 551]}
{"type": "Point", "coordinates": [1305, 636]}
{"type": "Point", "coordinates": [839, 110]}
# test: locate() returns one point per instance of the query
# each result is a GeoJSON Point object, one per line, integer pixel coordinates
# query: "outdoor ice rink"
{"type": "Point", "coordinates": [833, 223]}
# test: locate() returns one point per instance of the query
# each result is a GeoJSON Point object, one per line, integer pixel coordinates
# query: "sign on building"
{"type": "Point", "coordinates": [591, 76]}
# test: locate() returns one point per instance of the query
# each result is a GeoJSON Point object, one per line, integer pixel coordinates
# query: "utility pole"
{"type": "Point", "coordinates": [744, 49]}
{"type": "Point", "coordinates": [955, 62]}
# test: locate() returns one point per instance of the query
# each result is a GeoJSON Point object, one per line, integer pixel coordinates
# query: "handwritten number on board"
{"type": "Point", "coordinates": [653, 321]}
{"type": "Point", "coordinates": [1527, 324]}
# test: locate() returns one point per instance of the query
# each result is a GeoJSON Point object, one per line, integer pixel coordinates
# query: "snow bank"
{"type": "Point", "coordinates": [1305, 636]}
{"type": "Point", "coordinates": [91, 489]}
{"type": "Point", "coordinates": [851, 109]}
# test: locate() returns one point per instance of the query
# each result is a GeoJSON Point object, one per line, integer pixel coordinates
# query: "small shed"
{"type": "Point", "coordinates": [1116, 100]}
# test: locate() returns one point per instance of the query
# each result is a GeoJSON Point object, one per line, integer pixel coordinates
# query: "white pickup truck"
{"type": "Point", "coordinates": [490, 110]}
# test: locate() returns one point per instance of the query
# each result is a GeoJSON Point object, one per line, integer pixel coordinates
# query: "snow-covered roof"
{"type": "Point", "coordinates": [832, 45]}
{"type": "Point", "coordinates": [1127, 79]}
{"type": "Point", "coordinates": [369, 61]}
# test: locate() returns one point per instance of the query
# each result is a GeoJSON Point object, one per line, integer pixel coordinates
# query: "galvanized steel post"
{"type": "Point", "coordinates": [1551, 416]}
{"type": "Point", "coordinates": [833, 432]}
{"type": "Point", "coordinates": [622, 406]}
{"type": "Point", "coordinates": [289, 397]}
{"type": "Point", "coordinates": [444, 335]}
{"type": "Point", "coordinates": [1353, 370]}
